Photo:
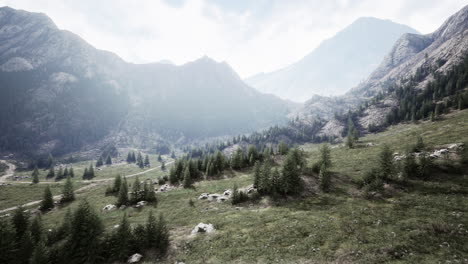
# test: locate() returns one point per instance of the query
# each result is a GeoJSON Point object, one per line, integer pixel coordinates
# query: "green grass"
{"type": "Point", "coordinates": [423, 222]}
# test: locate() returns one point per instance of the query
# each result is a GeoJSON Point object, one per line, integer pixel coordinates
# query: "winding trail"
{"type": "Point", "coordinates": [10, 172]}
{"type": "Point", "coordinates": [92, 184]}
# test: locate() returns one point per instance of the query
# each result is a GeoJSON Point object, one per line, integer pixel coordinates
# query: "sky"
{"type": "Point", "coordinates": [252, 36]}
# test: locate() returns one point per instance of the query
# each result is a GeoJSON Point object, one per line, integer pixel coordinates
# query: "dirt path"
{"type": "Point", "coordinates": [10, 172]}
{"type": "Point", "coordinates": [93, 183]}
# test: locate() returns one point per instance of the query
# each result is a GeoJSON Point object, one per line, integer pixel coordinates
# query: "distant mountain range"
{"type": "Point", "coordinates": [60, 94]}
{"type": "Point", "coordinates": [337, 64]}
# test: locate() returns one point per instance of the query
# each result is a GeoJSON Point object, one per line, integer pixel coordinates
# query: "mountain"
{"type": "Point", "coordinates": [337, 64]}
{"type": "Point", "coordinates": [60, 94]}
{"type": "Point", "coordinates": [418, 75]}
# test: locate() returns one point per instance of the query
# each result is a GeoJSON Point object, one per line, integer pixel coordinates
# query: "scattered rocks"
{"type": "Point", "coordinates": [203, 196]}
{"type": "Point", "coordinates": [214, 196]}
{"type": "Point", "coordinates": [222, 199]}
{"type": "Point", "coordinates": [203, 228]}
{"type": "Point", "coordinates": [227, 193]}
{"type": "Point", "coordinates": [141, 204]}
{"type": "Point", "coordinates": [135, 258]}
{"type": "Point", "coordinates": [109, 207]}
{"type": "Point", "coordinates": [164, 188]}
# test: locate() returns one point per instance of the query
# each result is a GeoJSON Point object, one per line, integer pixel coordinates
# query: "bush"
{"type": "Point", "coordinates": [238, 196]}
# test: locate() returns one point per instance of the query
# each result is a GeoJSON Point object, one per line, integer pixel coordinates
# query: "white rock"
{"type": "Point", "coordinates": [109, 207]}
{"type": "Point", "coordinates": [227, 193]}
{"type": "Point", "coordinates": [135, 258]}
{"type": "Point", "coordinates": [203, 196]}
{"type": "Point", "coordinates": [222, 199]}
{"type": "Point", "coordinates": [214, 196]}
{"type": "Point", "coordinates": [203, 228]}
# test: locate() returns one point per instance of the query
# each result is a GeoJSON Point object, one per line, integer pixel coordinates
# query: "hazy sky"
{"type": "Point", "coordinates": [251, 35]}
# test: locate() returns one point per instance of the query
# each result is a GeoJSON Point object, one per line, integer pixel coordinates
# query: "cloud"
{"type": "Point", "coordinates": [252, 36]}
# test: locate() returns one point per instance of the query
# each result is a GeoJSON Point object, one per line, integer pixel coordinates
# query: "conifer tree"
{"type": "Point", "coordinates": [108, 160]}
{"type": "Point", "coordinates": [85, 174]}
{"type": "Point", "coordinates": [123, 193]}
{"type": "Point", "coordinates": [47, 202]}
{"type": "Point", "coordinates": [117, 184]}
{"type": "Point", "coordinates": [59, 175]}
{"type": "Point", "coordinates": [264, 185]}
{"type": "Point", "coordinates": [160, 158]}
{"type": "Point", "coordinates": [35, 176]}
{"type": "Point", "coordinates": [68, 194]}
{"type": "Point", "coordinates": [147, 161]}
{"type": "Point", "coordinates": [136, 191]}
{"type": "Point", "coordinates": [36, 229]}
{"type": "Point", "coordinates": [20, 222]}
{"type": "Point", "coordinates": [148, 192]}
{"type": "Point", "coordinates": [276, 184]}
{"type": "Point", "coordinates": [50, 161]}
{"type": "Point", "coordinates": [325, 158]}
{"type": "Point", "coordinates": [122, 239]}
{"type": "Point", "coordinates": [187, 178]}
{"type": "Point", "coordinates": [51, 173]}
{"type": "Point", "coordinates": [324, 178]}
{"type": "Point", "coordinates": [91, 171]}
{"type": "Point", "coordinates": [83, 245]}
{"type": "Point", "coordinates": [40, 254]}
{"type": "Point", "coordinates": [283, 148]}
{"type": "Point", "coordinates": [163, 235]}
{"type": "Point", "coordinates": [140, 161]}
{"type": "Point", "coordinates": [26, 247]}
{"type": "Point", "coordinates": [386, 165]}
{"type": "Point", "coordinates": [291, 175]}
{"type": "Point", "coordinates": [66, 173]}
{"type": "Point", "coordinates": [257, 174]}
{"type": "Point", "coordinates": [410, 167]}
{"type": "Point", "coordinates": [163, 166]}
{"type": "Point", "coordinates": [71, 172]}
{"type": "Point", "coordinates": [151, 230]}
{"type": "Point", "coordinates": [99, 162]}
{"type": "Point", "coordinates": [7, 242]}
{"type": "Point", "coordinates": [173, 176]}
{"type": "Point", "coordinates": [129, 157]}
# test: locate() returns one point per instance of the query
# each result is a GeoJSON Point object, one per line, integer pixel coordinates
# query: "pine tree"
{"type": "Point", "coordinates": [37, 229]}
{"type": "Point", "coordinates": [123, 193]}
{"type": "Point", "coordinates": [91, 171]}
{"type": "Point", "coordinates": [47, 202]}
{"type": "Point", "coordinates": [140, 161]}
{"type": "Point", "coordinates": [51, 173]}
{"type": "Point", "coordinates": [59, 175]}
{"type": "Point", "coordinates": [257, 174]}
{"type": "Point", "coordinates": [117, 184]}
{"type": "Point", "coordinates": [7, 242]}
{"type": "Point", "coordinates": [122, 239]}
{"type": "Point", "coordinates": [325, 158]}
{"type": "Point", "coordinates": [151, 230]}
{"type": "Point", "coordinates": [83, 245]}
{"type": "Point", "coordinates": [386, 165]}
{"type": "Point", "coordinates": [324, 178]}
{"type": "Point", "coordinates": [108, 160]}
{"type": "Point", "coordinates": [283, 148]}
{"type": "Point", "coordinates": [349, 141]}
{"type": "Point", "coordinates": [50, 161]}
{"type": "Point", "coordinates": [264, 185]}
{"type": "Point", "coordinates": [410, 167]}
{"type": "Point", "coordinates": [26, 248]}
{"type": "Point", "coordinates": [160, 158]}
{"type": "Point", "coordinates": [66, 173]}
{"type": "Point", "coordinates": [85, 174]}
{"type": "Point", "coordinates": [276, 184]}
{"type": "Point", "coordinates": [71, 172]}
{"type": "Point", "coordinates": [425, 166]}
{"type": "Point", "coordinates": [20, 223]}
{"type": "Point", "coordinates": [173, 176]}
{"type": "Point", "coordinates": [129, 157]}
{"type": "Point", "coordinates": [35, 176]}
{"type": "Point", "coordinates": [291, 175]}
{"type": "Point", "coordinates": [136, 191]}
{"type": "Point", "coordinates": [163, 235]}
{"type": "Point", "coordinates": [163, 166]}
{"type": "Point", "coordinates": [68, 194]}
{"type": "Point", "coordinates": [147, 161]}
{"type": "Point", "coordinates": [148, 192]}
{"type": "Point", "coordinates": [187, 178]}
{"type": "Point", "coordinates": [40, 254]}
{"type": "Point", "coordinates": [100, 162]}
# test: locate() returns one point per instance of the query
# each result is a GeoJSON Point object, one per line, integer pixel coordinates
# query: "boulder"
{"type": "Point", "coordinates": [222, 199]}
{"type": "Point", "coordinates": [135, 258]}
{"type": "Point", "coordinates": [203, 228]}
{"type": "Point", "coordinates": [203, 196]}
{"type": "Point", "coordinates": [142, 203]}
{"type": "Point", "coordinates": [109, 207]}
{"type": "Point", "coordinates": [213, 196]}
{"type": "Point", "coordinates": [227, 193]}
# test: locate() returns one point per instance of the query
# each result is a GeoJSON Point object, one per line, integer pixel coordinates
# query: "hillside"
{"type": "Point", "coordinates": [352, 54]}
{"type": "Point", "coordinates": [60, 94]}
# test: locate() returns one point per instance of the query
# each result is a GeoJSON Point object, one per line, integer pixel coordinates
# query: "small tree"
{"type": "Point", "coordinates": [7, 242]}
{"type": "Point", "coordinates": [325, 157]}
{"type": "Point", "coordinates": [147, 161]}
{"type": "Point", "coordinates": [36, 228]}
{"type": "Point", "coordinates": [68, 194]}
{"type": "Point", "coordinates": [136, 191]}
{"type": "Point", "coordinates": [425, 166]}
{"type": "Point", "coordinates": [26, 247]}
{"type": "Point", "coordinates": [410, 167]}
{"type": "Point", "coordinates": [386, 163]}
{"type": "Point", "coordinates": [50, 161]}
{"type": "Point", "coordinates": [160, 158]}
{"type": "Point", "coordinates": [71, 172]}
{"type": "Point", "coordinates": [257, 174]}
{"type": "Point", "coordinates": [40, 254]}
{"type": "Point", "coordinates": [324, 179]}
{"type": "Point", "coordinates": [123, 193]}
{"type": "Point", "coordinates": [117, 184]}
{"type": "Point", "coordinates": [108, 160]}
{"type": "Point", "coordinates": [20, 223]}
{"type": "Point", "coordinates": [283, 148]}
{"type": "Point", "coordinates": [291, 175]}
{"type": "Point", "coordinates": [163, 166]}
{"type": "Point", "coordinates": [35, 176]}
{"type": "Point", "coordinates": [140, 161]}
{"type": "Point", "coordinates": [122, 239]}
{"type": "Point", "coordinates": [187, 178]}
{"type": "Point", "coordinates": [51, 173]}
{"type": "Point", "coordinates": [100, 162]}
{"type": "Point", "coordinates": [48, 201]}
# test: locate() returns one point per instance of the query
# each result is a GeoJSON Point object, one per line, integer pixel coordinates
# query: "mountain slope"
{"type": "Point", "coordinates": [337, 65]}
{"type": "Point", "coordinates": [59, 94]}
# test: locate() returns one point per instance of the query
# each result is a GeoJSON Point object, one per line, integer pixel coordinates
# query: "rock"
{"type": "Point", "coordinates": [222, 199]}
{"type": "Point", "coordinates": [109, 207]}
{"type": "Point", "coordinates": [203, 196]}
{"type": "Point", "coordinates": [116, 226]}
{"type": "Point", "coordinates": [214, 196]}
{"type": "Point", "coordinates": [227, 193]}
{"type": "Point", "coordinates": [203, 228]}
{"type": "Point", "coordinates": [135, 258]}
{"type": "Point", "coordinates": [142, 203]}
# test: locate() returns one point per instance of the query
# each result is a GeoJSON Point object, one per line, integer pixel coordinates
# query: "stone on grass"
{"type": "Point", "coordinates": [203, 196]}
{"type": "Point", "coordinates": [214, 196]}
{"type": "Point", "coordinates": [203, 228]}
{"type": "Point", "coordinates": [135, 258]}
{"type": "Point", "coordinates": [141, 204]}
{"type": "Point", "coordinates": [109, 207]}
{"type": "Point", "coordinates": [222, 199]}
